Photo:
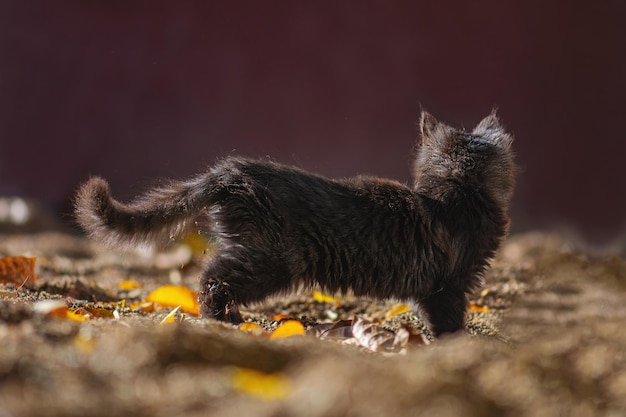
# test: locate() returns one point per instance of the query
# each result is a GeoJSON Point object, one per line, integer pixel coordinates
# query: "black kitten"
{"type": "Point", "coordinates": [279, 227]}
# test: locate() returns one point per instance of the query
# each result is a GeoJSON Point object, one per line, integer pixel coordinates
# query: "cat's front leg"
{"type": "Point", "coordinates": [445, 310]}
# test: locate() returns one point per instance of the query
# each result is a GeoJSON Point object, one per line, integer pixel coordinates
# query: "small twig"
{"type": "Point", "coordinates": [22, 284]}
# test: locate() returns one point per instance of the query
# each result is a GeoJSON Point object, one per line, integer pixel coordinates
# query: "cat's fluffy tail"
{"type": "Point", "coordinates": [155, 217]}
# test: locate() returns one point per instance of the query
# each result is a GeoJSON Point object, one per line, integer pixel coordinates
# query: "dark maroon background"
{"type": "Point", "coordinates": [132, 90]}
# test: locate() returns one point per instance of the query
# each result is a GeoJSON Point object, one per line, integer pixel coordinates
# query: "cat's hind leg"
{"type": "Point", "coordinates": [218, 301]}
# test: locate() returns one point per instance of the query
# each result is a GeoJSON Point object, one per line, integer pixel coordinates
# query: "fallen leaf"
{"type": "Point", "coordinates": [397, 309]}
{"type": "Point", "coordinates": [129, 284]}
{"type": "Point", "coordinates": [77, 315]}
{"type": "Point", "coordinates": [323, 298]}
{"type": "Point", "coordinates": [18, 270]}
{"type": "Point", "coordinates": [280, 317]}
{"type": "Point", "coordinates": [144, 307]}
{"type": "Point", "coordinates": [477, 309]}
{"type": "Point", "coordinates": [99, 312]}
{"type": "Point", "coordinates": [251, 327]}
{"type": "Point", "coordinates": [375, 338]}
{"type": "Point", "coordinates": [174, 296]}
{"type": "Point", "coordinates": [51, 308]}
{"type": "Point", "coordinates": [341, 329]}
{"type": "Point", "coordinates": [171, 317]}
{"type": "Point", "coordinates": [287, 329]}
{"type": "Point", "coordinates": [59, 309]}
{"type": "Point", "coordinates": [273, 386]}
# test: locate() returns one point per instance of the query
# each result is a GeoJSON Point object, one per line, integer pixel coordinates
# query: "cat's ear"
{"type": "Point", "coordinates": [428, 124]}
{"type": "Point", "coordinates": [490, 123]}
{"type": "Point", "coordinates": [491, 129]}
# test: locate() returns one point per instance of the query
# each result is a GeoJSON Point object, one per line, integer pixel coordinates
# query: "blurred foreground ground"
{"type": "Point", "coordinates": [546, 338]}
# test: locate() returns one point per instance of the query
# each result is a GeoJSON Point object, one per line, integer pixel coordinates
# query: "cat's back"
{"type": "Point", "coordinates": [301, 191]}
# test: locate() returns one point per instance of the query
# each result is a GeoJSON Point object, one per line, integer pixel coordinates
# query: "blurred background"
{"type": "Point", "coordinates": [134, 90]}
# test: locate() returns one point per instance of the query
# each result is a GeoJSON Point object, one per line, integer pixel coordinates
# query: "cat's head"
{"type": "Point", "coordinates": [453, 162]}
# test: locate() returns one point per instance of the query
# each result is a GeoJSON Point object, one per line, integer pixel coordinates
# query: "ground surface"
{"type": "Point", "coordinates": [546, 338]}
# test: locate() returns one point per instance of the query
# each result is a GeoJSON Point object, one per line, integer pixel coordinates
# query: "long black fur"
{"type": "Point", "coordinates": [279, 227]}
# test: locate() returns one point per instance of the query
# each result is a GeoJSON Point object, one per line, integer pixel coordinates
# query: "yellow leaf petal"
{"type": "Point", "coordinates": [176, 295]}
{"type": "Point", "coordinates": [272, 386]}
{"type": "Point", "coordinates": [323, 298]}
{"type": "Point", "coordinates": [77, 315]}
{"type": "Point", "coordinates": [171, 317]}
{"type": "Point", "coordinates": [396, 310]}
{"type": "Point", "coordinates": [145, 307]}
{"type": "Point", "coordinates": [288, 329]}
{"type": "Point", "coordinates": [129, 284]}
{"type": "Point", "coordinates": [250, 327]}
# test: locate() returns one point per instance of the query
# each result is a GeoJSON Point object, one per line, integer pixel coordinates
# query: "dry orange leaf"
{"type": "Point", "coordinates": [99, 312]}
{"type": "Point", "coordinates": [174, 296]}
{"type": "Point", "coordinates": [58, 309]}
{"type": "Point", "coordinates": [272, 386]}
{"type": "Point", "coordinates": [279, 317]}
{"type": "Point", "coordinates": [396, 310]}
{"type": "Point", "coordinates": [478, 309]}
{"type": "Point", "coordinates": [287, 329]}
{"type": "Point", "coordinates": [18, 270]}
